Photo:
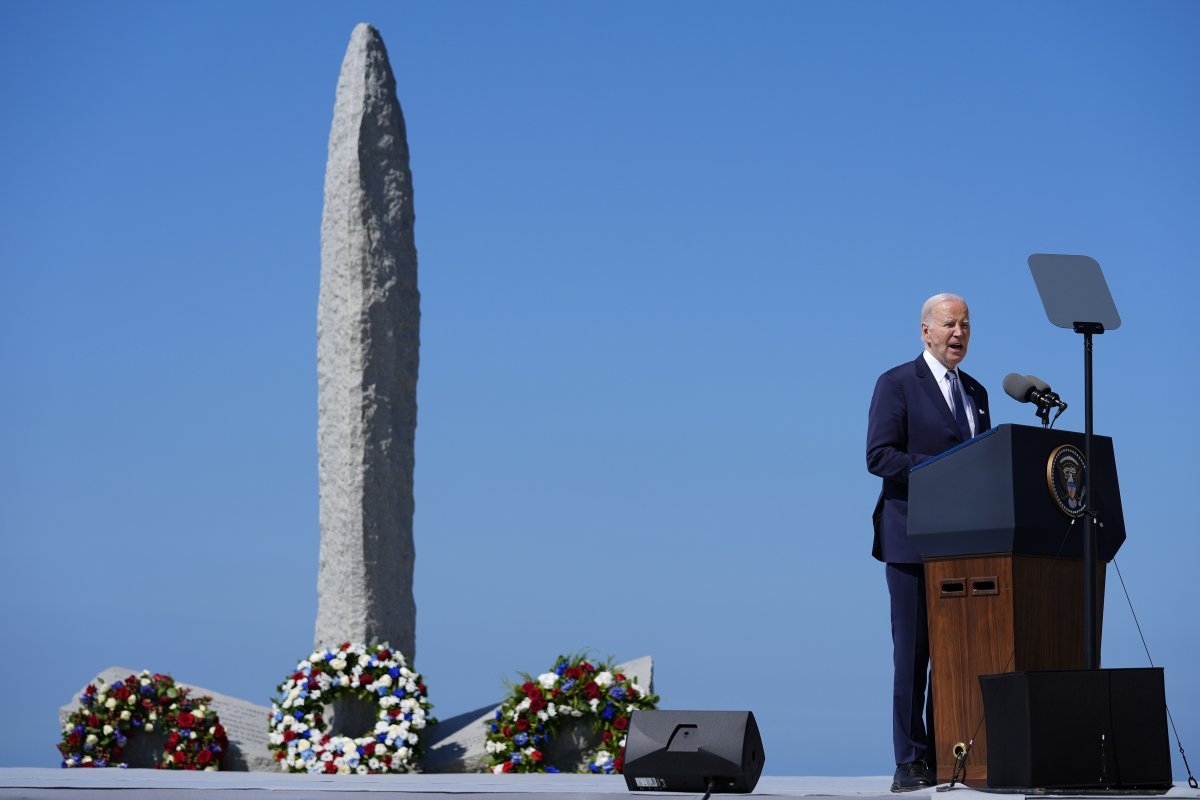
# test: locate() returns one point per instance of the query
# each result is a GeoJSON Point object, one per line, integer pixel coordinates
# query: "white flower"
{"type": "Point", "coordinates": [603, 679]}
{"type": "Point", "coordinates": [92, 738]}
{"type": "Point", "coordinates": [327, 756]}
{"type": "Point", "coordinates": [148, 727]}
{"type": "Point", "coordinates": [594, 702]}
{"type": "Point", "coordinates": [521, 706]}
{"type": "Point", "coordinates": [622, 742]}
{"type": "Point", "coordinates": [338, 664]}
{"type": "Point", "coordinates": [552, 710]}
{"type": "Point", "coordinates": [403, 753]}
{"type": "Point", "coordinates": [110, 703]}
{"type": "Point", "coordinates": [108, 729]}
{"type": "Point", "coordinates": [361, 770]}
{"type": "Point", "coordinates": [384, 680]}
{"type": "Point", "coordinates": [373, 763]}
{"type": "Point", "coordinates": [547, 680]}
{"type": "Point", "coordinates": [543, 716]}
{"type": "Point", "coordinates": [498, 769]}
{"type": "Point", "coordinates": [303, 744]}
{"type": "Point", "coordinates": [125, 714]}
{"type": "Point", "coordinates": [412, 739]}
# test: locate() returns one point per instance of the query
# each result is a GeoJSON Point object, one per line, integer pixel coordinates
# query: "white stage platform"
{"type": "Point", "coordinates": [148, 784]}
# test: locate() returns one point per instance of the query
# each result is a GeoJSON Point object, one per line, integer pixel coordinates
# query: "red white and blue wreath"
{"type": "Point", "coordinates": [376, 675]}
{"type": "Point", "coordinates": [535, 711]}
{"type": "Point", "coordinates": [96, 734]}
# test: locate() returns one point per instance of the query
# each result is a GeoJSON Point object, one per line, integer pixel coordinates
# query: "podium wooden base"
{"type": "Point", "coordinates": [992, 614]}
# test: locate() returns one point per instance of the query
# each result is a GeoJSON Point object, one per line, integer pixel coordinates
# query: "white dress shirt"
{"type": "Point", "coordinates": [939, 373]}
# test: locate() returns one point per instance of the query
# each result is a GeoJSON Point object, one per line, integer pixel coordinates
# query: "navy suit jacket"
{"type": "Point", "coordinates": [909, 422]}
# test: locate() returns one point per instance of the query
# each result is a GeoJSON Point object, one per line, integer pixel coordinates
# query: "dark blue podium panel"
{"type": "Point", "coordinates": [993, 495]}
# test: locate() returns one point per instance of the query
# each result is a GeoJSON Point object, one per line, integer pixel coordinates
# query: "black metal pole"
{"type": "Point", "coordinates": [1091, 653]}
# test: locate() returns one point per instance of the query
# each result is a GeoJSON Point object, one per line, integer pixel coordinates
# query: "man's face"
{"type": "Point", "coordinates": [946, 332]}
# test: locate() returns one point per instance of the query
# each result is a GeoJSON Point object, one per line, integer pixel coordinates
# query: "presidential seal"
{"type": "Point", "coordinates": [1065, 472]}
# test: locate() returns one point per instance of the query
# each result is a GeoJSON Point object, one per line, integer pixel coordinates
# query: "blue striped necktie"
{"type": "Point", "coordinates": [960, 413]}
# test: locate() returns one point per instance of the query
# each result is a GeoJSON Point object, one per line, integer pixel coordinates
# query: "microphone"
{"type": "Point", "coordinates": [1032, 389]}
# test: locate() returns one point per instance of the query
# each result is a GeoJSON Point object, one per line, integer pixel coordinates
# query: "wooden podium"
{"type": "Point", "coordinates": [1003, 568]}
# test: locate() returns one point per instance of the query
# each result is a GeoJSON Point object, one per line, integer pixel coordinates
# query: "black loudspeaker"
{"type": "Point", "coordinates": [693, 751]}
{"type": "Point", "coordinates": [1077, 729]}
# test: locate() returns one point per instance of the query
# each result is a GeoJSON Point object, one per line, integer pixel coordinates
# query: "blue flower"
{"type": "Point", "coordinates": [495, 728]}
{"type": "Point", "coordinates": [516, 758]}
{"type": "Point", "coordinates": [408, 717]}
{"type": "Point", "coordinates": [278, 716]}
{"type": "Point", "coordinates": [362, 751]}
{"type": "Point", "coordinates": [608, 711]}
{"type": "Point", "coordinates": [553, 769]}
{"type": "Point", "coordinates": [85, 699]}
{"type": "Point", "coordinates": [328, 656]}
{"type": "Point", "coordinates": [100, 762]}
{"type": "Point", "coordinates": [394, 672]}
{"type": "Point", "coordinates": [593, 768]}
{"type": "Point", "coordinates": [560, 668]}
{"type": "Point", "coordinates": [521, 739]}
{"type": "Point", "coordinates": [617, 693]}
{"type": "Point", "coordinates": [568, 684]}
{"type": "Point", "coordinates": [299, 715]}
{"type": "Point", "coordinates": [147, 690]}
{"type": "Point", "coordinates": [497, 713]}
{"type": "Point", "coordinates": [399, 692]}
{"type": "Point", "coordinates": [123, 766]}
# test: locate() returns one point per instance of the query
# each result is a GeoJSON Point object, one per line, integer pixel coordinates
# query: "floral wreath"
{"type": "Point", "coordinates": [375, 674]}
{"type": "Point", "coordinates": [96, 733]}
{"type": "Point", "coordinates": [532, 714]}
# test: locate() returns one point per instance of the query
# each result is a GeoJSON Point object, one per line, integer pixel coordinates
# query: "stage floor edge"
{"type": "Point", "coordinates": [148, 784]}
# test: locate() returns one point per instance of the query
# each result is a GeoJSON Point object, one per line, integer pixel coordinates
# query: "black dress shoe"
{"type": "Point", "coordinates": [916, 775]}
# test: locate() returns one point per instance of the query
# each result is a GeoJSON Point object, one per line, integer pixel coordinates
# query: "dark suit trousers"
{"type": "Point", "coordinates": [912, 736]}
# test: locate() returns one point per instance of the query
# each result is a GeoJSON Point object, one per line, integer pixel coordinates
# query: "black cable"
{"type": "Point", "coordinates": [709, 785]}
{"type": "Point", "coordinates": [1191, 778]}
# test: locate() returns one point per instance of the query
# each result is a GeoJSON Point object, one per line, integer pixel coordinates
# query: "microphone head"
{"type": "Point", "coordinates": [1038, 383]}
{"type": "Point", "coordinates": [1018, 387]}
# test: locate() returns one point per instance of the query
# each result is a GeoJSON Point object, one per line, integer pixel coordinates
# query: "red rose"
{"type": "Point", "coordinates": [421, 688]}
{"type": "Point", "coordinates": [219, 732]}
{"type": "Point", "coordinates": [534, 693]}
{"type": "Point", "coordinates": [345, 646]}
{"type": "Point", "coordinates": [369, 748]}
{"type": "Point", "coordinates": [279, 755]}
{"type": "Point", "coordinates": [593, 691]}
{"type": "Point", "coordinates": [607, 736]}
{"type": "Point", "coordinates": [555, 692]}
{"type": "Point", "coordinates": [297, 676]}
{"type": "Point", "coordinates": [148, 703]}
{"type": "Point", "coordinates": [121, 691]}
{"type": "Point", "coordinates": [384, 654]}
{"type": "Point", "coordinates": [91, 689]}
{"type": "Point", "coordinates": [621, 723]}
{"type": "Point", "coordinates": [73, 739]}
{"type": "Point", "coordinates": [618, 677]}
{"type": "Point", "coordinates": [522, 724]}
{"type": "Point", "coordinates": [288, 736]}
{"type": "Point", "coordinates": [619, 764]}
{"type": "Point", "coordinates": [631, 693]}
{"type": "Point", "coordinates": [180, 757]}
{"type": "Point", "coordinates": [394, 712]}
{"type": "Point", "coordinates": [573, 672]}
{"type": "Point", "coordinates": [203, 757]}
{"type": "Point", "coordinates": [527, 687]}
{"type": "Point", "coordinates": [507, 731]}
{"type": "Point", "coordinates": [537, 705]}
{"type": "Point", "coordinates": [325, 739]}
{"type": "Point", "coordinates": [505, 767]}
{"type": "Point", "coordinates": [587, 667]}
{"type": "Point", "coordinates": [366, 678]}
{"type": "Point", "coordinates": [330, 767]}
{"type": "Point", "coordinates": [93, 721]}
{"type": "Point", "coordinates": [536, 755]}
{"type": "Point", "coordinates": [186, 720]}
{"type": "Point", "coordinates": [173, 739]}
{"type": "Point", "coordinates": [116, 752]}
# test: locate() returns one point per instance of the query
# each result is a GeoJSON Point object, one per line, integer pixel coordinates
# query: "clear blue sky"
{"type": "Point", "coordinates": [665, 250]}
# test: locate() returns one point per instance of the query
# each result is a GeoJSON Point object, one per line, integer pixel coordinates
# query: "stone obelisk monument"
{"type": "Point", "coordinates": [368, 338]}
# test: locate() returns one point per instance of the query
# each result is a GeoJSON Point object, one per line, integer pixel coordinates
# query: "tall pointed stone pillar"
{"type": "Point", "coordinates": [368, 338]}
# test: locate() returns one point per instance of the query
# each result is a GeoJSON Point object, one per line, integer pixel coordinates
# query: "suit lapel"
{"type": "Point", "coordinates": [982, 423]}
{"type": "Point", "coordinates": [934, 392]}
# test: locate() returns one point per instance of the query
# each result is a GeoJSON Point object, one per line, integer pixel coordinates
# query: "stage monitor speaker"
{"type": "Point", "coordinates": [1077, 729]}
{"type": "Point", "coordinates": [693, 751]}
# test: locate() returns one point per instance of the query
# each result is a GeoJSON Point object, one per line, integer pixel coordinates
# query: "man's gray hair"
{"type": "Point", "coordinates": [944, 297]}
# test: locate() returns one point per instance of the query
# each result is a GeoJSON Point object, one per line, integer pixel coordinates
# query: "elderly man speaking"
{"type": "Point", "coordinates": [919, 409]}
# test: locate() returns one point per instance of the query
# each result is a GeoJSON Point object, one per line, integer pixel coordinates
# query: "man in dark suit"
{"type": "Point", "coordinates": [919, 409]}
